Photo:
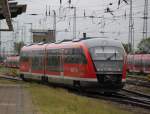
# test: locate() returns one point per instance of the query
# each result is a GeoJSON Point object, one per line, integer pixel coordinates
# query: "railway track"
{"type": "Point", "coordinates": [9, 77]}
{"type": "Point", "coordinates": [136, 93]}
{"type": "Point", "coordinates": [137, 82]}
{"type": "Point", "coordinates": [144, 77]}
{"type": "Point", "coordinates": [133, 101]}
{"type": "Point", "coordinates": [124, 97]}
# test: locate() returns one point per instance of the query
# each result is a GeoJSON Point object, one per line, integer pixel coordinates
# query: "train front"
{"type": "Point", "coordinates": [109, 59]}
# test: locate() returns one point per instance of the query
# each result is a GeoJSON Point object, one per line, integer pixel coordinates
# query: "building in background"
{"type": "Point", "coordinates": [43, 36]}
{"type": "Point", "coordinates": [8, 10]}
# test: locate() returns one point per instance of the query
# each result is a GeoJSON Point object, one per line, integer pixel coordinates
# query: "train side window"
{"type": "Point", "coordinates": [130, 60]}
{"type": "Point", "coordinates": [24, 56]}
{"type": "Point", "coordinates": [37, 60]}
{"type": "Point", "coordinates": [67, 55]}
{"type": "Point", "coordinates": [53, 60]}
{"type": "Point", "coordinates": [74, 55]}
{"type": "Point", "coordinates": [137, 62]}
{"type": "Point", "coordinates": [146, 63]}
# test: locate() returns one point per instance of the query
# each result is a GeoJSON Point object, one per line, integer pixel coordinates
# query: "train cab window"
{"type": "Point", "coordinates": [106, 53]}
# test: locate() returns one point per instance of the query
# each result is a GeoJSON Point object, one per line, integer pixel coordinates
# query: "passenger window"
{"type": "Point", "coordinates": [146, 63]}
{"type": "Point", "coordinates": [24, 56]}
{"type": "Point", "coordinates": [53, 60]}
{"type": "Point", "coordinates": [74, 55]}
{"type": "Point", "coordinates": [37, 60]}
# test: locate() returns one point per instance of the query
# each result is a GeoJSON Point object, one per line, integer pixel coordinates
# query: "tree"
{"type": "Point", "coordinates": [126, 47]}
{"type": "Point", "coordinates": [144, 46]}
{"type": "Point", "coordinates": [18, 46]}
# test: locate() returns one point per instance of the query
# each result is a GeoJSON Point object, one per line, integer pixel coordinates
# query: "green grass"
{"type": "Point", "coordinates": [50, 100]}
{"type": "Point", "coordinates": [3, 69]}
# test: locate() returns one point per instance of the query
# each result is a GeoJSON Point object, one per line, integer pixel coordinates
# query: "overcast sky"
{"type": "Point", "coordinates": [113, 25]}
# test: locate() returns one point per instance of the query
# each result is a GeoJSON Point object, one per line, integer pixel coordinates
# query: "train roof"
{"type": "Point", "coordinates": [94, 41]}
{"type": "Point", "coordinates": [89, 41]}
{"type": "Point", "coordinates": [34, 47]}
{"type": "Point", "coordinates": [102, 42]}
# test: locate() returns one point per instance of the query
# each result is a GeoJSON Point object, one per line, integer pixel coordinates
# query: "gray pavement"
{"type": "Point", "coordinates": [15, 100]}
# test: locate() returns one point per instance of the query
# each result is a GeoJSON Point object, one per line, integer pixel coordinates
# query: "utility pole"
{"type": "Point", "coordinates": [130, 38]}
{"type": "Point", "coordinates": [54, 24]}
{"type": "Point", "coordinates": [0, 38]}
{"type": "Point", "coordinates": [133, 43]}
{"type": "Point", "coordinates": [15, 34]}
{"type": "Point", "coordinates": [22, 34]}
{"type": "Point", "coordinates": [145, 17]}
{"type": "Point", "coordinates": [30, 31]}
{"type": "Point", "coordinates": [74, 22]}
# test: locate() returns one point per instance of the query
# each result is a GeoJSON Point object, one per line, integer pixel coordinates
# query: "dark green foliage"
{"type": "Point", "coordinates": [126, 47]}
{"type": "Point", "coordinates": [144, 46]}
{"type": "Point", "coordinates": [18, 46]}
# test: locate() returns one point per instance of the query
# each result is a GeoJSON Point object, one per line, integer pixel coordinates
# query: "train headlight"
{"type": "Point", "coordinates": [98, 69]}
{"type": "Point", "coordinates": [102, 69]}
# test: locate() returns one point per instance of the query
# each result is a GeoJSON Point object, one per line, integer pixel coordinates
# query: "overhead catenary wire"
{"type": "Point", "coordinates": [97, 17]}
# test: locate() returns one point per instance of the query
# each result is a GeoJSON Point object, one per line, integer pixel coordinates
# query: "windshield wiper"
{"type": "Point", "coordinates": [114, 54]}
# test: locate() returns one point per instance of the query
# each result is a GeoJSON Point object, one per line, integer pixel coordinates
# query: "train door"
{"type": "Point", "coordinates": [61, 63]}
{"type": "Point", "coordinates": [37, 66]}
{"type": "Point", "coordinates": [53, 63]}
{"type": "Point", "coordinates": [71, 62]}
{"type": "Point", "coordinates": [30, 61]}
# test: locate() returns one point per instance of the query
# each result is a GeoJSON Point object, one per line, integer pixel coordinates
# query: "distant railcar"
{"type": "Point", "coordinates": [12, 62]}
{"type": "Point", "coordinates": [139, 63]}
{"type": "Point", "coordinates": [90, 63]}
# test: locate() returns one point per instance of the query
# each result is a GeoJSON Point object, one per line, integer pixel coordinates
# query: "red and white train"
{"type": "Point", "coordinates": [139, 63]}
{"type": "Point", "coordinates": [91, 62]}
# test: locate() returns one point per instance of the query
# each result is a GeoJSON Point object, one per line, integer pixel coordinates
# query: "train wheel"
{"type": "Point", "coordinates": [22, 77]}
{"type": "Point", "coordinates": [77, 85]}
{"type": "Point", "coordinates": [44, 79]}
{"type": "Point", "coordinates": [108, 93]}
